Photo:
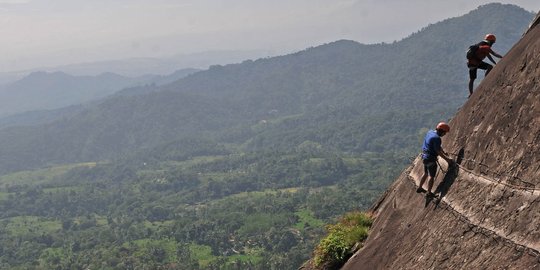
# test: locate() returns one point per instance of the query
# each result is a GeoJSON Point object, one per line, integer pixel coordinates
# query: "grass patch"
{"type": "Point", "coordinates": [154, 225]}
{"type": "Point", "coordinates": [253, 256]}
{"type": "Point", "coordinates": [260, 194]}
{"type": "Point", "coordinates": [101, 221]}
{"type": "Point", "coordinates": [196, 161]}
{"type": "Point", "coordinates": [31, 225]}
{"type": "Point", "coordinates": [307, 219]}
{"type": "Point", "coordinates": [150, 247]}
{"type": "Point", "coordinates": [201, 253]}
{"type": "Point", "coordinates": [334, 249]}
{"type": "Point", "coordinates": [40, 176]}
{"type": "Point", "coordinates": [258, 223]}
{"type": "Point", "coordinates": [52, 256]}
{"type": "Point", "coordinates": [89, 221]}
{"type": "Point", "coordinates": [63, 189]}
{"type": "Point", "coordinates": [3, 196]}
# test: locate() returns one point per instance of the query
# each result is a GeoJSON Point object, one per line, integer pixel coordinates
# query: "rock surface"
{"type": "Point", "coordinates": [487, 213]}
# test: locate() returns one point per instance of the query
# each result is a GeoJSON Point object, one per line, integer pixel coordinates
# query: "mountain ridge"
{"type": "Point", "coordinates": [299, 95]}
{"type": "Point", "coordinates": [53, 90]}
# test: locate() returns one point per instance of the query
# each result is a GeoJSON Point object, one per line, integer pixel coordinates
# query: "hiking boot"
{"type": "Point", "coordinates": [430, 195]}
{"type": "Point", "coordinates": [420, 190]}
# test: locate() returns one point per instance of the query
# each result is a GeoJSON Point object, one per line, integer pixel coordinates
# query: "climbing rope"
{"type": "Point", "coordinates": [483, 230]}
{"type": "Point", "coordinates": [476, 228]}
{"type": "Point", "coordinates": [528, 187]}
{"type": "Point", "coordinates": [488, 232]}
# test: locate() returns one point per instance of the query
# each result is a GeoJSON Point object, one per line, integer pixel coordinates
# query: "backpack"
{"type": "Point", "coordinates": [471, 52]}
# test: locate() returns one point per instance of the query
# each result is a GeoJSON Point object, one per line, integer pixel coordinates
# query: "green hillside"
{"type": "Point", "coordinates": [259, 209]}
{"type": "Point", "coordinates": [238, 166]}
{"type": "Point", "coordinates": [343, 95]}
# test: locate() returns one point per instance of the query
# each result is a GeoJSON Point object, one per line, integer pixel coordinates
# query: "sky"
{"type": "Point", "coordinates": [38, 33]}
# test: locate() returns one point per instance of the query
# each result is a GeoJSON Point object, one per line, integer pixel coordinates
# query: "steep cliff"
{"type": "Point", "coordinates": [487, 214]}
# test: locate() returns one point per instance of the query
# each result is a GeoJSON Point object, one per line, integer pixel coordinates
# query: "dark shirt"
{"type": "Point", "coordinates": [484, 49]}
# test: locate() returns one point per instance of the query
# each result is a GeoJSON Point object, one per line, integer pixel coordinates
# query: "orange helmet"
{"type": "Point", "coordinates": [490, 38]}
{"type": "Point", "coordinates": [443, 126]}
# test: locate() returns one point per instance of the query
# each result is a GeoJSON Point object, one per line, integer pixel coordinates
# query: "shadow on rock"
{"type": "Point", "coordinates": [444, 187]}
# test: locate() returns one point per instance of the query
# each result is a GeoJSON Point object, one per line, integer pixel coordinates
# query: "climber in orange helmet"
{"type": "Point", "coordinates": [476, 55]}
{"type": "Point", "coordinates": [431, 149]}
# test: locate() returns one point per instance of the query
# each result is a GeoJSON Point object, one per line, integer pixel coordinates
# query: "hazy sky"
{"type": "Point", "coordinates": [53, 32]}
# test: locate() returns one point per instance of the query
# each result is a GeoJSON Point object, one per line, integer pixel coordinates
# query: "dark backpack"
{"type": "Point", "coordinates": [471, 52]}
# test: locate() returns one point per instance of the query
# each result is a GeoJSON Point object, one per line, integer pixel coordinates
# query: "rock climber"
{"type": "Point", "coordinates": [475, 56]}
{"type": "Point", "coordinates": [431, 149]}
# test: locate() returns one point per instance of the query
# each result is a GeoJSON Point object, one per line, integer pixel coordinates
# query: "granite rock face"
{"type": "Point", "coordinates": [487, 213]}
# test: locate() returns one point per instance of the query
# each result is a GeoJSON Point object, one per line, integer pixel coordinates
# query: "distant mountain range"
{"type": "Point", "coordinates": [344, 95]}
{"type": "Point", "coordinates": [139, 66]}
{"type": "Point", "coordinates": [43, 90]}
{"type": "Point", "coordinates": [136, 67]}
